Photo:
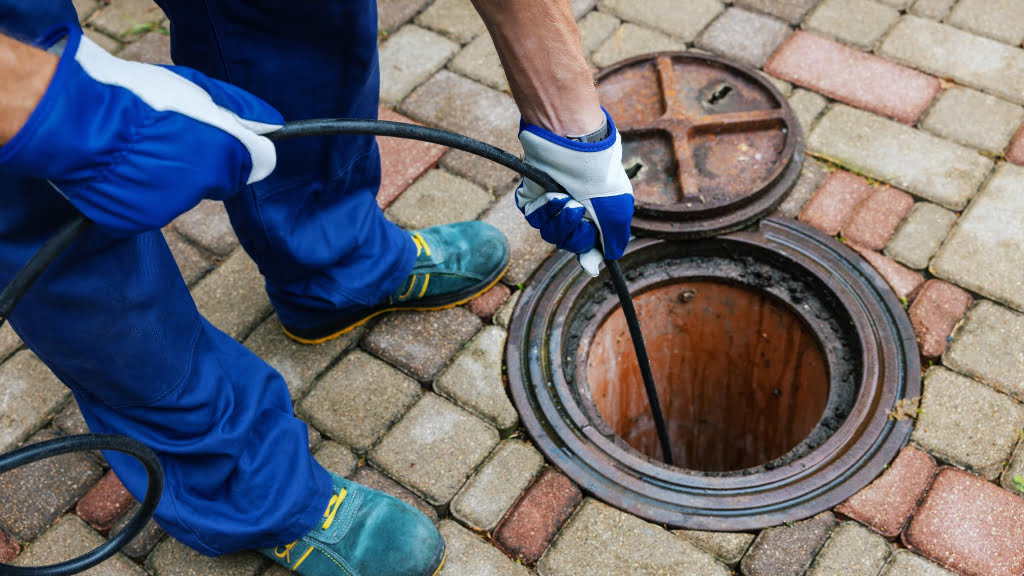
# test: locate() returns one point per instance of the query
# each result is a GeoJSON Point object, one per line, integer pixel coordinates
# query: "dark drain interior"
{"type": "Point", "coordinates": [743, 381]}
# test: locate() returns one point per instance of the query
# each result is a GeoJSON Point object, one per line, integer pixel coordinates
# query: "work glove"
{"type": "Point", "coordinates": [134, 145]}
{"type": "Point", "coordinates": [593, 219]}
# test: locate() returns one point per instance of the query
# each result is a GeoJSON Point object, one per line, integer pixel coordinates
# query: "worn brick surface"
{"type": "Point", "coordinates": [336, 458]}
{"type": "Point", "coordinates": [630, 40]}
{"type": "Point", "coordinates": [834, 203]}
{"type": "Point", "coordinates": [143, 544]}
{"type": "Point", "coordinates": [434, 449]}
{"type": "Point", "coordinates": [812, 175]}
{"type": "Point", "coordinates": [975, 119]}
{"type": "Point", "coordinates": [496, 486]}
{"type": "Point", "coordinates": [727, 547]}
{"type": "Point", "coordinates": [358, 400]}
{"type": "Point", "coordinates": [887, 503]}
{"type": "Point", "coordinates": [787, 550]}
{"type": "Point", "coordinates": [528, 528]}
{"type": "Point", "coordinates": [469, 554]}
{"type": "Point", "coordinates": [233, 297]}
{"type": "Point", "coordinates": [932, 9]}
{"type": "Point", "coordinates": [683, 19]}
{"type": "Point", "coordinates": [792, 11]}
{"type": "Point", "coordinates": [33, 496]}
{"type": "Point", "coordinates": [9, 341]}
{"type": "Point", "coordinates": [402, 160]}
{"type": "Point", "coordinates": [857, 78]}
{"type": "Point", "coordinates": [970, 525]}
{"type": "Point", "coordinates": [127, 18]}
{"type": "Point", "coordinates": [1013, 477]}
{"type": "Point", "coordinates": [421, 343]}
{"type": "Point", "coordinates": [807, 106]}
{"type": "Point", "coordinates": [981, 260]}
{"type": "Point", "coordinates": [875, 219]}
{"type": "Point", "coordinates": [105, 503]}
{"type": "Point", "coordinates": [193, 262]}
{"type": "Point", "coordinates": [439, 198]}
{"type": "Point", "coordinates": [479, 61]}
{"type": "Point", "coordinates": [602, 540]}
{"type": "Point", "coordinates": [595, 28]}
{"type": "Point", "coordinates": [172, 558]}
{"type": "Point", "coordinates": [989, 347]}
{"type": "Point", "coordinates": [467, 107]}
{"type": "Point", "coordinates": [487, 304]}
{"type": "Point", "coordinates": [935, 311]}
{"type": "Point", "coordinates": [474, 381]}
{"type": "Point", "coordinates": [393, 13]}
{"type": "Point", "coordinates": [373, 478]}
{"type": "Point", "coordinates": [967, 423]}
{"type": "Point", "coordinates": [744, 36]}
{"type": "Point", "coordinates": [208, 226]}
{"type": "Point", "coordinates": [408, 57]}
{"type": "Point", "coordinates": [861, 23]}
{"type": "Point", "coordinates": [9, 548]}
{"type": "Point", "coordinates": [948, 52]}
{"type": "Point", "coordinates": [151, 47]}
{"type": "Point", "coordinates": [1015, 151]}
{"type": "Point", "coordinates": [920, 235]}
{"type": "Point", "coordinates": [909, 159]}
{"type": "Point", "coordinates": [454, 18]}
{"type": "Point", "coordinates": [906, 563]}
{"type": "Point", "coordinates": [851, 550]}
{"type": "Point", "coordinates": [70, 538]}
{"type": "Point", "coordinates": [1002, 20]}
{"type": "Point", "coordinates": [29, 396]}
{"type": "Point", "coordinates": [528, 249]}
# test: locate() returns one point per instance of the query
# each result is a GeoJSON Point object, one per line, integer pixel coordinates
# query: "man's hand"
{"type": "Point", "coordinates": [133, 145]}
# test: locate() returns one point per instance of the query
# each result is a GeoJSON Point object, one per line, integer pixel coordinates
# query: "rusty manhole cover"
{"type": "Point", "coordinates": [716, 145]}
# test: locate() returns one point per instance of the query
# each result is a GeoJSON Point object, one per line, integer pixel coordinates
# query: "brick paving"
{"type": "Point", "coordinates": [912, 114]}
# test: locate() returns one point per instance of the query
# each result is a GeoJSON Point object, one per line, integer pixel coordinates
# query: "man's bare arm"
{"type": "Point", "coordinates": [539, 45]}
{"type": "Point", "coordinates": [25, 73]}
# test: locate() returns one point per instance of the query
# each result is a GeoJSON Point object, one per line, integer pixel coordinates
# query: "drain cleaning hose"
{"type": "Point", "coordinates": [321, 127]}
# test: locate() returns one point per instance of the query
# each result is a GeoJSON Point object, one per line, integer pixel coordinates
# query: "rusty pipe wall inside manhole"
{"type": "Point", "coordinates": [777, 353]}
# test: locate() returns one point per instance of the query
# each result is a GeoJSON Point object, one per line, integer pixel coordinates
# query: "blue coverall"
{"type": "Point", "coordinates": [115, 322]}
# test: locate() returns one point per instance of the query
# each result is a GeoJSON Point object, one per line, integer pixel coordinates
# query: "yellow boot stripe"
{"type": "Point", "coordinates": [412, 284]}
{"type": "Point", "coordinates": [426, 281]}
{"type": "Point", "coordinates": [308, 550]}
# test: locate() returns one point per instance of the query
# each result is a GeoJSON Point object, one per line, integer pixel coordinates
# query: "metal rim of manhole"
{"type": "Point", "coordinates": [716, 145]}
{"type": "Point", "coordinates": [859, 328]}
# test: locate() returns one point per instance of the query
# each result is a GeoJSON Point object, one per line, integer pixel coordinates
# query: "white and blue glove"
{"type": "Point", "coordinates": [593, 219]}
{"type": "Point", "coordinates": [134, 145]}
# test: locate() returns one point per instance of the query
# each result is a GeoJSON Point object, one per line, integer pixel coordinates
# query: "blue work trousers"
{"type": "Point", "coordinates": [115, 322]}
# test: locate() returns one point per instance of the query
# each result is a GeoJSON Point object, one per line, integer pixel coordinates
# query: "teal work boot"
{"type": "Point", "coordinates": [365, 533]}
{"type": "Point", "coordinates": [454, 264]}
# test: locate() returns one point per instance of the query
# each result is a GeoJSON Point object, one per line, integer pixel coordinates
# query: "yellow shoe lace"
{"type": "Point", "coordinates": [332, 508]}
{"type": "Point", "coordinates": [421, 244]}
{"type": "Point", "coordinates": [285, 552]}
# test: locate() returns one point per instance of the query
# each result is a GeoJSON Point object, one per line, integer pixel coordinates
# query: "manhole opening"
{"type": "Point", "coordinates": [742, 379]}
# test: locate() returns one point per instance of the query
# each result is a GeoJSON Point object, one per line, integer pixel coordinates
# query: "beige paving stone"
{"type": "Point", "coordinates": [748, 37]}
{"type": "Point", "coordinates": [439, 197]}
{"type": "Point", "coordinates": [851, 550]}
{"type": "Point", "coordinates": [906, 563]}
{"type": "Point", "coordinates": [336, 458]}
{"type": "Point", "coordinates": [920, 234]}
{"type": "Point", "coordinates": [474, 381]}
{"type": "Point", "coordinates": [792, 11]}
{"type": "Point", "coordinates": [860, 23]}
{"type": "Point", "coordinates": [9, 341]}
{"type": "Point", "coordinates": [988, 346]}
{"type": "Point", "coordinates": [581, 7]}
{"type": "Point", "coordinates": [918, 162]}
{"type": "Point", "coordinates": [973, 118]}
{"type": "Point", "coordinates": [966, 423]}
{"type": "Point", "coordinates": [207, 225]}
{"type": "Point", "coordinates": [1001, 20]}
{"type": "Point", "coordinates": [897, 4]}
{"type": "Point", "coordinates": [394, 13]}
{"type": "Point", "coordinates": [421, 343]}
{"type": "Point", "coordinates": [408, 58]}
{"type": "Point", "coordinates": [85, 8]}
{"type": "Point", "coordinates": [193, 262]}
{"type": "Point", "coordinates": [468, 554]}
{"type": "Point", "coordinates": [151, 47]}
{"type": "Point", "coordinates": [456, 19]}
{"type": "Point", "coordinates": [931, 9]}
{"type": "Point", "coordinates": [631, 40]}
{"type": "Point", "coordinates": [983, 252]}
{"type": "Point", "coordinates": [479, 61]}
{"type": "Point", "coordinates": [489, 494]}
{"type": "Point", "coordinates": [1013, 477]}
{"type": "Point", "coordinates": [528, 249]}
{"type": "Point", "coordinates": [29, 396]}
{"type": "Point", "coordinates": [683, 19]}
{"type": "Point", "coordinates": [807, 106]}
{"type": "Point", "coordinates": [172, 558]}
{"type": "Point", "coordinates": [70, 538]}
{"type": "Point", "coordinates": [127, 18]}
{"type": "Point", "coordinates": [233, 297]}
{"type": "Point", "coordinates": [595, 27]}
{"type": "Point", "coordinates": [787, 550]}
{"type": "Point", "coordinates": [949, 52]}
{"type": "Point", "coordinates": [812, 175]}
{"type": "Point", "coordinates": [102, 40]}
{"type": "Point", "coordinates": [503, 317]}
{"type": "Point", "coordinates": [727, 547]}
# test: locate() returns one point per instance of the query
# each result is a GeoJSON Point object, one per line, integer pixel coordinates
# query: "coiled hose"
{"type": "Point", "coordinates": [321, 127]}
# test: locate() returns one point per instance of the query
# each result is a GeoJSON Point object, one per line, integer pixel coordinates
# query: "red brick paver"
{"type": "Point", "coordinates": [854, 77]}
{"type": "Point", "coordinates": [888, 502]}
{"type": "Point", "coordinates": [935, 312]}
{"type": "Point", "coordinates": [970, 525]}
{"type": "Point", "coordinates": [487, 304]}
{"type": "Point", "coordinates": [402, 160]}
{"type": "Point", "coordinates": [903, 281]}
{"type": "Point", "coordinates": [835, 201]}
{"type": "Point", "coordinates": [105, 503]}
{"type": "Point", "coordinates": [527, 530]}
{"type": "Point", "coordinates": [9, 548]}
{"type": "Point", "coordinates": [1015, 151]}
{"type": "Point", "coordinates": [875, 220]}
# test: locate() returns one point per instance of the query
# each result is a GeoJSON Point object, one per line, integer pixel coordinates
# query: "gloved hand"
{"type": "Point", "coordinates": [133, 145]}
{"type": "Point", "coordinates": [593, 219]}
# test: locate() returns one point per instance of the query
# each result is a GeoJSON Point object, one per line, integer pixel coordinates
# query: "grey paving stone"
{"type": "Point", "coordinates": [9, 342]}
{"type": "Point", "coordinates": [812, 175]}
{"type": "Point", "coordinates": [683, 19]}
{"type": "Point", "coordinates": [233, 297]}
{"type": "Point", "coordinates": [102, 40]}
{"type": "Point", "coordinates": [456, 19]}
{"type": "Point", "coordinates": [489, 494]}
{"type": "Point", "coordinates": [1001, 20]}
{"type": "Point", "coordinates": [336, 458]}
{"type": "Point", "coordinates": [192, 262]}
{"type": "Point", "coordinates": [468, 107]}
{"type": "Point", "coordinates": [408, 57]}
{"type": "Point", "coordinates": [421, 343]}
{"type": "Point", "coordinates": [595, 28]}
{"type": "Point", "coordinates": [393, 13]}
{"type": "Point", "coordinates": [70, 421]}
{"type": "Point", "coordinates": [988, 346]}
{"type": "Point", "coordinates": [85, 8]}
{"type": "Point", "coordinates": [473, 380]}
{"type": "Point", "coordinates": [949, 52]}
{"type": "Point", "coordinates": [299, 364]}
{"type": "Point", "coordinates": [787, 550]}
{"type": "Point", "coordinates": [151, 47]}
{"type": "Point", "coordinates": [967, 423]}
{"type": "Point", "coordinates": [861, 23]}
{"type": "Point", "coordinates": [528, 249]}
{"type": "Point", "coordinates": [792, 11]}
{"type": "Point", "coordinates": [435, 448]}
{"type": "Point", "coordinates": [630, 40]}
{"type": "Point", "coordinates": [920, 234]}
{"type": "Point", "coordinates": [468, 554]}
{"type": "Point", "coordinates": [897, 4]}
{"type": "Point", "coordinates": [983, 252]}
{"type": "Point", "coordinates": [602, 541]}
{"type": "Point", "coordinates": [582, 7]}
{"type": "Point", "coordinates": [748, 37]}
{"type": "Point", "coordinates": [479, 61]}
{"type": "Point", "coordinates": [69, 539]}
{"type": "Point", "coordinates": [807, 106]}
{"type": "Point", "coordinates": [371, 477]}
{"type": "Point", "coordinates": [172, 558]}
{"type": "Point", "coordinates": [906, 563]}
{"type": "Point", "coordinates": [29, 396]}
{"type": "Point", "coordinates": [931, 9]}
{"type": "Point", "coordinates": [144, 543]}
{"type": "Point", "coordinates": [358, 400]}
{"type": "Point", "coordinates": [503, 317]}
{"type": "Point", "coordinates": [33, 496]}
{"type": "Point", "coordinates": [208, 226]}
{"type": "Point", "coordinates": [925, 165]}
{"type": "Point", "coordinates": [128, 18]}
{"type": "Point", "coordinates": [439, 197]}
{"type": "Point", "coordinates": [851, 550]}
{"type": "Point", "coordinates": [975, 119]}
{"type": "Point", "coordinates": [727, 547]}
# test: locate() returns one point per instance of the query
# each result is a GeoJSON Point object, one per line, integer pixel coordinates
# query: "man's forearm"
{"type": "Point", "coordinates": [25, 73]}
{"type": "Point", "coordinates": [539, 45]}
